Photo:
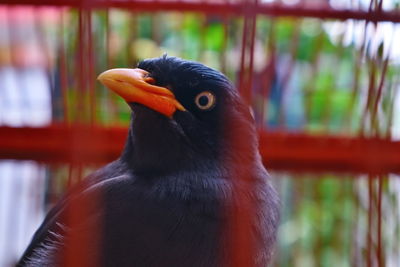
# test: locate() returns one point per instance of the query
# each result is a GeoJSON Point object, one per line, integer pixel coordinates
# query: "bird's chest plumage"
{"type": "Point", "coordinates": [179, 225]}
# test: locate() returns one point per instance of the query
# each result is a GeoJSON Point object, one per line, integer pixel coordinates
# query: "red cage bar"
{"type": "Point", "coordinates": [280, 151]}
{"type": "Point", "coordinates": [227, 8]}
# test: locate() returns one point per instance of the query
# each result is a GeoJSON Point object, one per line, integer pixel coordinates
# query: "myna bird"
{"type": "Point", "coordinates": [188, 180]}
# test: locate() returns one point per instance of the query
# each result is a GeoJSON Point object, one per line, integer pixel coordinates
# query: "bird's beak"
{"type": "Point", "coordinates": [135, 86]}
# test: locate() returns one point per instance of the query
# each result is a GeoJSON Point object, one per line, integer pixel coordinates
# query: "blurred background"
{"type": "Point", "coordinates": [322, 76]}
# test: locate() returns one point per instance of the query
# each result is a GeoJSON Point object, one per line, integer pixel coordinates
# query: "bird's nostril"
{"type": "Point", "coordinates": [150, 80]}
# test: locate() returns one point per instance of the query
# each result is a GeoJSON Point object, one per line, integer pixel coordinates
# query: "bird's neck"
{"type": "Point", "coordinates": [154, 148]}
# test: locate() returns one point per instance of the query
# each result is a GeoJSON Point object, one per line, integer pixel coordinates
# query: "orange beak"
{"type": "Point", "coordinates": [135, 86]}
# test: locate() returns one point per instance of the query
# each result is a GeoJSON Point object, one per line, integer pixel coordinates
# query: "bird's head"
{"type": "Point", "coordinates": [184, 115]}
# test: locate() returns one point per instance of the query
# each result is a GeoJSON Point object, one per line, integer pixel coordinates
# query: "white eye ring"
{"type": "Point", "coordinates": [205, 100]}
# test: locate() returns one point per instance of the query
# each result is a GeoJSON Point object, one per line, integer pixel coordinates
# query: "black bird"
{"type": "Point", "coordinates": [189, 188]}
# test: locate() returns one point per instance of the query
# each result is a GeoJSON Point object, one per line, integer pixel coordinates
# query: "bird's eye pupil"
{"type": "Point", "coordinates": [203, 100]}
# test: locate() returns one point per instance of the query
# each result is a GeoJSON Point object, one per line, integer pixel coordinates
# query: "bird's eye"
{"type": "Point", "coordinates": [205, 100]}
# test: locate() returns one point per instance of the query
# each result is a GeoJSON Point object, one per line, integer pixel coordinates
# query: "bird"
{"type": "Point", "coordinates": [189, 188]}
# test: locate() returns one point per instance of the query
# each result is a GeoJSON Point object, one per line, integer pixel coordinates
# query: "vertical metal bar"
{"type": "Point", "coordinates": [379, 5]}
{"type": "Point", "coordinates": [319, 243]}
{"type": "Point", "coordinates": [379, 91]}
{"type": "Point", "coordinates": [113, 104]}
{"type": "Point", "coordinates": [372, 71]}
{"type": "Point", "coordinates": [241, 240]}
{"type": "Point", "coordinates": [379, 253]}
{"type": "Point", "coordinates": [247, 54]}
{"type": "Point", "coordinates": [369, 231]}
{"type": "Point", "coordinates": [108, 40]}
{"type": "Point", "coordinates": [133, 34]}
{"type": "Point", "coordinates": [222, 55]}
{"type": "Point", "coordinates": [395, 85]}
{"type": "Point", "coordinates": [358, 63]}
{"type": "Point", "coordinates": [371, 91]}
{"type": "Point", "coordinates": [251, 60]}
{"type": "Point", "coordinates": [91, 69]}
{"type": "Point", "coordinates": [76, 243]}
{"type": "Point", "coordinates": [242, 74]}
{"type": "Point", "coordinates": [80, 70]}
{"type": "Point", "coordinates": [269, 72]}
{"type": "Point", "coordinates": [63, 67]}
